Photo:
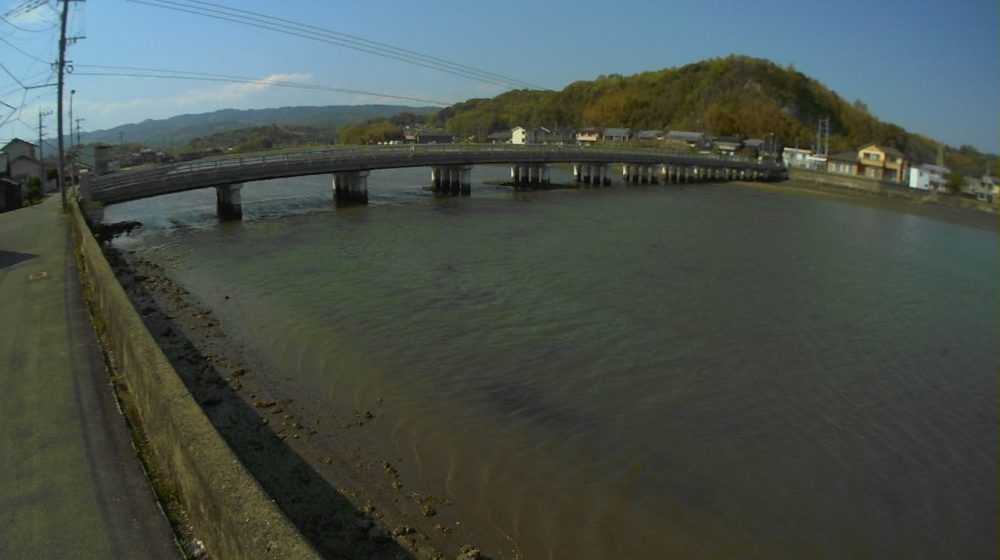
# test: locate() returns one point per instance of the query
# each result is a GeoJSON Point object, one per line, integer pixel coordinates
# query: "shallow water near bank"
{"type": "Point", "coordinates": [662, 371]}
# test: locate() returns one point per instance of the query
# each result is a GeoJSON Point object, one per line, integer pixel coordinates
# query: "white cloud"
{"type": "Point", "coordinates": [234, 91]}
{"type": "Point", "coordinates": [105, 114]}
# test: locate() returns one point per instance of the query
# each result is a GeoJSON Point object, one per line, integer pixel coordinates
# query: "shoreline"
{"type": "Point", "coordinates": [320, 467]}
{"type": "Point", "coordinates": [928, 206]}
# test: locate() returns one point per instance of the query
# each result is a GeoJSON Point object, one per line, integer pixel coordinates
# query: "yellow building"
{"type": "Point", "coordinates": [881, 163]}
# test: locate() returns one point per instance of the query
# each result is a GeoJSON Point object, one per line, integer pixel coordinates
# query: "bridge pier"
{"type": "Point", "coordinates": [350, 187]}
{"type": "Point", "coordinates": [228, 202]}
{"type": "Point", "coordinates": [591, 173]}
{"type": "Point", "coordinates": [639, 174]}
{"type": "Point", "coordinates": [532, 174]}
{"type": "Point", "coordinates": [452, 179]}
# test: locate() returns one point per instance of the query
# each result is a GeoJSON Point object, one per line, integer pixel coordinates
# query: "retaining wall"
{"type": "Point", "coordinates": [228, 509]}
{"type": "Point", "coordinates": [854, 182]}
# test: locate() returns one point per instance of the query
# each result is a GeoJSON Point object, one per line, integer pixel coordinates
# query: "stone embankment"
{"type": "Point", "coordinates": [224, 504]}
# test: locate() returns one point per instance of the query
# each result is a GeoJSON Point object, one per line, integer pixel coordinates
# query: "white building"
{"type": "Point", "coordinates": [796, 157]}
{"type": "Point", "coordinates": [17, 161]}
{"type": "Point", "coordinates": [927, 177]}
{"type": "Point", "coordinates": [521, 135]}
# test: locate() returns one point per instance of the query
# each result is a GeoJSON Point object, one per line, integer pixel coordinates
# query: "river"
{"type": "Point", "coordinates": [701, 371]}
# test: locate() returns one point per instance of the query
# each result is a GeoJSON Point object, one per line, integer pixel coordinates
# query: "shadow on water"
{"type": "Point", "coordinates": [10, 258]}
{"type": "Point", "coordinates": [324, 516]}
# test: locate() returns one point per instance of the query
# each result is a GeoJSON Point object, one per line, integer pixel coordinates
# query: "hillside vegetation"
{"type": "Point", "coordinates": [181, 129]}
{"type": "Point", "coordinates": [736, 95]}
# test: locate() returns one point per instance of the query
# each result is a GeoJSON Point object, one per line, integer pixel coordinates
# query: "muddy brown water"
{"type": "Point", "coordinates": [700, 371]}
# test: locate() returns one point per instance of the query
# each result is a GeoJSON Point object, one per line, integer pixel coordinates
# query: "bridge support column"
{"type": "Point", "coordinates": [350, 187]}
{"type": "Point", "coordinates": [465, 180]}
{"type": "Point", "coordinates": [228, 202]}
{"type": "Point", "coordinates": [454, 179]}
{"type": "Point", "coordinates": [538, 173]}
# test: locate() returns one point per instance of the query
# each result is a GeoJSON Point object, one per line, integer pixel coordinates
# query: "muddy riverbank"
{"type": "Point", "coordinates": [321, 467]}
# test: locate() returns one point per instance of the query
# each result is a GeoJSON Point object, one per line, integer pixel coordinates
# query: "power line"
{"type": "Point", "coordinates": [290, 27]}
{"type": "Point", "coordinates": [25, 29]}
{"type": "Point", "coordinates": [25, 53]}
{"type": "Point", "coordinates": [139, 72]}
{"type": "Point", "coordinates": [24, 8]}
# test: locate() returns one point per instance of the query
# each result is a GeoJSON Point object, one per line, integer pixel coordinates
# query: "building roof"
{"type": "Point", "coordinates": [727, 139]}
{"type": "Point", "coordinates": [685, 135]}
{"type": "Point", "coordinates": [617, 131]}
{"type": "Point", "coordinates": [17, 140]}
{"type": "Point", "coordinates": [753, 142]}
{"type": "Point", "coordinates": [30, 159]}
{"type": "Point", "coordinates": [931, 168]}
{"type": "Point", "coordinates": [649, 134]}
{"type": "Point", "coordinates": [885, 149]}
{"type": "Point", "coordinates": [844, 156]}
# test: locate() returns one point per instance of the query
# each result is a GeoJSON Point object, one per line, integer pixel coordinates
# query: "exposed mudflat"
{"type": "Point", "coordinates": [321, 467]}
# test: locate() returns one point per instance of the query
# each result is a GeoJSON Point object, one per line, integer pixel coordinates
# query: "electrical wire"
{"type": "Point", "coordinates": [25, 29]}
{"type": "Point", "coordinates": [290, 27]}
{"type": "Point", "coordinates": [25, 53]}
{"type": "Point", "coordinates": [138, 72]}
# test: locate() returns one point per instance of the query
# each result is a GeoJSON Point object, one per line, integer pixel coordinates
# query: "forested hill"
{"type": "Point", "coordinates": [736, 95]}
{"type": "Point", "coordinates": [179, 130]}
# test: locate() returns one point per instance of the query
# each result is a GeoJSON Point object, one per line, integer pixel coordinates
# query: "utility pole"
{"type": "Point", "coordinates": [63, 41]}
{"type": "Point", "coordinates": [823, 137]}
{"type": "Point", "coordinates": [41, 146]}
{"type": "Point", "coordinates": [78, 143]}
{"type": "Point", "coordinates": [72, 92]}
{"type": "Point", "coordinates": [59, 117]}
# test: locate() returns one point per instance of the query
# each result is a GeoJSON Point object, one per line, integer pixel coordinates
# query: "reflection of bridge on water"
{"type": "Point", "coordinates": [450, 165]}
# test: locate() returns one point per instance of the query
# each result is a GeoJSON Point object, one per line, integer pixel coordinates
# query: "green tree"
{"type": "Point", "coordinates": [34, 190]}
{"type": "Point", "coordinates": [954, 182]}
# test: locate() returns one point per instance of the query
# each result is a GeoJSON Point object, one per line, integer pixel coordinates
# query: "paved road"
{"type": "Point", "coordinates": [70, 484]}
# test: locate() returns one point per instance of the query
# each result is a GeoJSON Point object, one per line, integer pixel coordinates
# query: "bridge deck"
{"type": "Point", "coordinates": [183, 176]}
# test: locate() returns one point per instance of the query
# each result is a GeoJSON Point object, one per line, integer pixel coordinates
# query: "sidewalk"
{"type": "Point", "coordinates": [70, 484]}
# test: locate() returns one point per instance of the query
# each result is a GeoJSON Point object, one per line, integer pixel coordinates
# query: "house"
{"type": "Point", "coordinates": [18, 162]}
{"type": "Point", "coordinates": [11, 194]}
{"type": "Point", "coordinates": [843, 163]}
{"type": "Point", "coordinates": [588, 135]}
{"type": "Point", "coordinates": [685, 139]}
{"type": "Point", "coordinates": [434, 137]}
{"type": "Point", "coordinates": [727, 145]}
{"type": "Point", "coordinates": [520, 135]}
{"type": "Point", "coordinates": [98, 159]}
{"type": "Point", "coordinates": [18, 147]}
{"type": "Point", "coordinates": [796, 157]}
{"type": "Point", "coordinates": [989, 189]}
{"type": "Point", "coordinates": [500, 137]}
{"type": "Point", "coordinates": [882, 163]}
{"type": "Point", "coordinates": [927, 177]}
{"type": "Point", "coordinates": [649, 135]}
{"type": "Point", "coordinates": [616, 134]}
{"type": "Point", "coordinates": [557, 136]}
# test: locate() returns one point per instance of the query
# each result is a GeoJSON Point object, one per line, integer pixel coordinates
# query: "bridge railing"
{"type": "Point", "coordinates": [357, 154]}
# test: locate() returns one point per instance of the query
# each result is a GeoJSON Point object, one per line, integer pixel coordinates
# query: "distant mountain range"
{"type": "Point", "coordinates": [178, 131]}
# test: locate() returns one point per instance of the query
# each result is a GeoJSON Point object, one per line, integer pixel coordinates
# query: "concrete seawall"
{"type": "Point", "coordinates": [227, 507]}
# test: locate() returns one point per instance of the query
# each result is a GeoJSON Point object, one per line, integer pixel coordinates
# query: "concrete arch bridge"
{"type": "Point", "coordinates": [450, 164]}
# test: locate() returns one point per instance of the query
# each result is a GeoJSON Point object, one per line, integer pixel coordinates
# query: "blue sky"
{"type": "Point", "coordinates": [930, 66]}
